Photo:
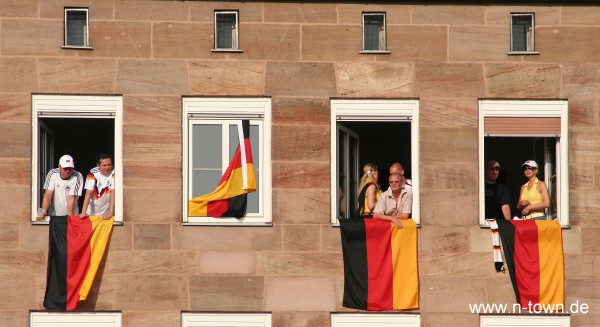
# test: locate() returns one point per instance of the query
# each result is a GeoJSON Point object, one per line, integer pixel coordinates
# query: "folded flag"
{"type": "Point", "coordinates": [380, 264]}
{"type": "Point", "coordinates": [229, 199]}
{"type": "Point", "coordinates": [534, 256]}
{"type": "Point", "coordinates": [76, 247]}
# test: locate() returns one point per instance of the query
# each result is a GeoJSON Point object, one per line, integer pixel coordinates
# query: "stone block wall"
{"type": "Point", "coordinates": [301, 55]}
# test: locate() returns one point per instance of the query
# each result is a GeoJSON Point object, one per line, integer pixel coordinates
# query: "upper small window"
{"type": "Point", "coordinates": [521, 33]}
{"type": "Point", "coordinates": [77, 27]}
{"type": "Point", "coordinates": [374, 32]}
{"type": "Point", "coordinates": [226, 30]}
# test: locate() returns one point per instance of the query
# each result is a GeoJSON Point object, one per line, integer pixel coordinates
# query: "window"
{"type": "Point", "coordinates": [61, 319]}
{"type": "Point", "coordinates": [522, 33]}
{"type": "Point", "coordinates": [524, 321]}
{"type": "Point", "coordinates": [374, 32]}
{"type": "Point", "coordinates": [226, 31]}
{"type": "Point", "coordinates": [360, 132]}
{"type": "Point", "coordinates": [375, 319]}
{"type": "Point", "coordinates": [192, 319]}
{"type": "Point", "coordinates": [55, 120]}
{"type": "Point", "coordinates": [209, 141]}
{"type": "Point", "coordinates": [513, 131]}
{"type": "Point", "coordinates": [77, 28]}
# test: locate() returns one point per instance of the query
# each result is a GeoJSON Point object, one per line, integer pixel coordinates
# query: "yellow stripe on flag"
{"type": "Point", "coordinates": [100, 234]}
{"type": "Point", "coordinates": [404, 266]}
{"type": "Point", "coordinates": [551, 262]}
{"type": "Point", "coordinates": [228, 189]}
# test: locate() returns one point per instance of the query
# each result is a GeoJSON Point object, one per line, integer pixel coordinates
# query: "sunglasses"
{"type": "Point", "coordinates": [528, 168]}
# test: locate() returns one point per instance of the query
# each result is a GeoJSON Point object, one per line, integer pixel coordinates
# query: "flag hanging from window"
{"type": "Point", "coordinates": [76, 247]}
{"type": "Point", "coordinates": [534, 256]}
{"type": "Point", "coordinates": [229, 199]}
{"type": "Point", "coordinates": [380, 264]}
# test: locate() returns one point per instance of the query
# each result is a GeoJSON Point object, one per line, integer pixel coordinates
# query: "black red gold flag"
{"type": "Point", "coordinates": [534, 256]}
{"type": "Point", "coordinates": [76, 247]}
{"type": "Point", "coordinates": [380, 264]}
{"type": "Point", "coordinates": [229, 199]}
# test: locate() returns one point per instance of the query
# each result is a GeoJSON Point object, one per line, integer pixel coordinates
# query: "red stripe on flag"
{"type": "Point", "coordinates": [79, 232]}
{"type": "Point", "coordinates": [379, 263]}
{"type": "Point", "coordinates": [217, 208]}
{"type": "Point", "coordinates": [527, 261]}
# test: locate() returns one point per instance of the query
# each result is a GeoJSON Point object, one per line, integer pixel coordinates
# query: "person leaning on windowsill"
{"type": "Point", "coordinates": [395, 204]}
{"type": "Point", "coordinates": [534, 198]}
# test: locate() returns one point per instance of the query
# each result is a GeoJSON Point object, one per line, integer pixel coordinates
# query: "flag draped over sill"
{"type": "Point", "coordinates": [229, 199]}
{"type": "Point", "coordinates": [76, 247]}
{"type": "Point", "coordinates": [380, 264]}
{"type": "Point", "coordinates": [534, 256]}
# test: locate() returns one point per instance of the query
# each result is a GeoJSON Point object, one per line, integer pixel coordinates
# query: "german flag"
{"type": "Point", "coordinates": [229, 199]}
{"type": "Point", "coordinates": [534, 256]}
{"type": "Point", "coordinates": [75, 251]}
{"type": "Point", "coordinates": [380, 265]}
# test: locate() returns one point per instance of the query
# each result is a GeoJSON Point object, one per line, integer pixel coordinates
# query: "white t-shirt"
{"type": "Point", "coordinates": [62, 189]}
{"type": "Point", "coordinates": [101, 187]}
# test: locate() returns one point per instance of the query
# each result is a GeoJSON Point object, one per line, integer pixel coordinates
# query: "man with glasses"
{"type": "Point", "coordinates": [63, 187]}
{"type": "Point", "coordinates": [395, 203]}
{"type": "Point", "coordinates": [497, 200]}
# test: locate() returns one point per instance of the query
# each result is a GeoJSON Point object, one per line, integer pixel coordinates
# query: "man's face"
{"type": "Point", "coordinates": [105, 166]}
{"type": "Point", "coordinates": [395, 183]}
{"type": "Point", "coordinates": [491, 174]}
{"type": "Point", "coordinates": [65, 172]}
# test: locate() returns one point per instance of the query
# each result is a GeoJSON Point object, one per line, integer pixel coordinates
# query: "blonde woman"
{"type": "Point", "coordinates": [534, 198]}
{"type": "Point", "coordinates": [369, 190]}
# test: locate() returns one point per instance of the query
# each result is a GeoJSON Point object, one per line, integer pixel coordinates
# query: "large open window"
{"type": "Point", "coordinates": [377, 131]}
{"type": "Point", "coordinates": [80, 126]}
{"type": "Point", "coordinates": [209, 141]}
{"type": "Point", "coordinates": [513, 131]}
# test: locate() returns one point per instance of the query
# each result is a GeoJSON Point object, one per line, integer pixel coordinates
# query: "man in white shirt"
{"type": "Point", "coordinates": [395, 203]}
{"type": "Point", "coordinates": [100, 189]}
{"type": "Point", "coordinates": [63, 186]}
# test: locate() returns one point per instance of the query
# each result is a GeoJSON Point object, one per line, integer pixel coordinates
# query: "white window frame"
{"type": "Point", "coordinates": [524, 320]}
{"type": "Point", "coordinates": [530, 36]}
{"type": "Point", "coordinates": [208, 108]}
{"type": "Point", "coordinates": [530, 108]}
{"type": "Point", "coordinates": [200, 319]}
{"type": "Point", "coordinates": [61, 319]}
{"type": "Point", "coordinates": [235, 47]}
{"type": "Point", "coordinates": [375, 319]}
{"type": "Point", "coordinates": [86, 41]}
{"type": "Point", "coordinates": [382, 34]}
{"type": "Point", "coordinates": [374, 110]}
{"type": "Point", "coordinates": [78, 106]}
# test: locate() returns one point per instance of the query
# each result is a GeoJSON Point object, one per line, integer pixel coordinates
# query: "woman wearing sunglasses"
{"type": "Point", "coordinates": [534, 198]}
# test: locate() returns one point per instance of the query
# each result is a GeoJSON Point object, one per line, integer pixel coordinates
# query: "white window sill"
{"type": "Point", "coordinates": [375, 52]}
{"type": "Point", "coordinates": [523, 52]}
{"type": "Point", "coordinates": [76, 47]}
{"type": "Point", "coordinates": [227, 50]}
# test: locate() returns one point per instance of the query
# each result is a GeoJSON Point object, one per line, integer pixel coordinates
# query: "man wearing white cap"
{"type": "Point", "coordinates": [63, 187]}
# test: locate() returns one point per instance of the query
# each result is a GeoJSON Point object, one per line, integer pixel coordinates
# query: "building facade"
{"type": "Point", "coordinates": [327, 86]}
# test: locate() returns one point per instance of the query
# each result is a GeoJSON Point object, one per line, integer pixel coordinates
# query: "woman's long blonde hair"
{"type": "Point", "coordinates": [368, 170]}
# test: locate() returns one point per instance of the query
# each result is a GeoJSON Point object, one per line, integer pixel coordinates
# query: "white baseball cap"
{"type": "Point", "coordinates": [530, 163]}
{"type": "Point", "coordinates": [66, 161]}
